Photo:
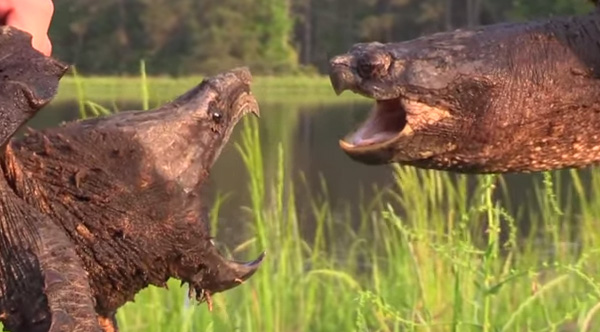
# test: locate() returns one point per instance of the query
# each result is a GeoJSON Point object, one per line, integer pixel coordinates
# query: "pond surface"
{"type": "Point", "coordinates": [309, 136]}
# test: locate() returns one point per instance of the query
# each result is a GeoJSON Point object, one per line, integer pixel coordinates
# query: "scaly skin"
{"type": "Point", "coordinates": [57, 272]}
{"type": "Point", "coordinates": [96, 210]}
{"type": "Point", "coordinates": [29, 81]}
{"type": "Point", "coordinates": [514, 97]}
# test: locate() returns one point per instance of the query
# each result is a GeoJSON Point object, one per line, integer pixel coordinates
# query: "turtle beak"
{"type": "Point", "coordinates": [218, 274]}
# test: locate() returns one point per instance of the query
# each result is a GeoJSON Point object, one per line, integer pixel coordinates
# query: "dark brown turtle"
{"type": "Point", "coordinates": [96, 210]}
{"type": "Point", "coordinates": [510, 97]}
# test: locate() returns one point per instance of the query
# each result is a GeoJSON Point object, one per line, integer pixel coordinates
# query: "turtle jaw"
{"type": "Point", "coordinates": [226, 98]}
{"type": "Point", "coordinates": [218, 274]}
{"type": "Point", "coordinates": [182, 141]}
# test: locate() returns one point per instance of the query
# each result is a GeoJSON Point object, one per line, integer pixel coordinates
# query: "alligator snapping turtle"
{"type": "Point", "coordinates": [511, 97]}
{"type": "Point", "coordinates": [95, 210]}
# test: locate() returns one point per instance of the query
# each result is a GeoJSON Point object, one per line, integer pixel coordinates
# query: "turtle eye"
{"type": "Point", "coordinates": [373, 65]}
{"type": "Point", "coordinates": [217, 116]}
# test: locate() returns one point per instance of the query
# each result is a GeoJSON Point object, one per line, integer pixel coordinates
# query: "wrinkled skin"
{"type": "Point", "coordinates": [111, 204]}
{"type": "Point", "coordinates": [514, 97]}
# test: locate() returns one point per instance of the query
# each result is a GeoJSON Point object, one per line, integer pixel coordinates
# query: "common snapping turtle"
{"type": "Point", "coordinates": [508, 97]}
{"type": "Point", "coordinates": [96, 210]}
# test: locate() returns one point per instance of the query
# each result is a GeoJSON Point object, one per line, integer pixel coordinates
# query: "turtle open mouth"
{"type": "Point", "coordinates": [391, 120]}
{"type": "Point", "coordinates": [387, 120]}
{"type": "Point", "coordinates": [402, 123]}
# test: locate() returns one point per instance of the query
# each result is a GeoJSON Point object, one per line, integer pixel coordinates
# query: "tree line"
{"type": "Point", "coordinates": [179, 37]}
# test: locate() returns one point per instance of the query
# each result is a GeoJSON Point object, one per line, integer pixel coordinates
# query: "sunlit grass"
{"type": "Point", "coordinates": [298, 89]}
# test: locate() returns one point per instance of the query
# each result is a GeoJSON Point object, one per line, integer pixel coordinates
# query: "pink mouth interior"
{"type": "Point", "coordinates": [386, 121]}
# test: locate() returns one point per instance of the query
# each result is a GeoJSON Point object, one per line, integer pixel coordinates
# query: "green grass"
{"type": "Point", "coordinates": [298, 89]}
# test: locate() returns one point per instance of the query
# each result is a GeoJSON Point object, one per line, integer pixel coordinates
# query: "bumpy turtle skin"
{"type": "Point", "coordinates": [35, 254]}
{"type": "Point", "coordinates": [55, 295]}
{"type": "Point", "coordinates": [28, 81]}
{"type": "Point", "coordinates": [27, 77]}
{"type": "Point", "coordinates": [121, 198]}
{"type": "Point", "coordinates": [66, 285]}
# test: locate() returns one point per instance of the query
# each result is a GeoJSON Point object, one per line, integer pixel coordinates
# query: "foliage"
{"type": "Point", "coordinates": [524, 9]}
{"type": "Point", "coordinates": [176, 37]}
{"type": "Point", "coordinates": [271, 36]}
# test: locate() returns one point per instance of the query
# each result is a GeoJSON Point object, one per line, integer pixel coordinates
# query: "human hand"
{"type": "Point", "coordinates": [32, 16]}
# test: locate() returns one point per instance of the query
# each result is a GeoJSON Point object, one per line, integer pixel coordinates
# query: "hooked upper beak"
{"type": "Point", "coordinates": [341, 75]}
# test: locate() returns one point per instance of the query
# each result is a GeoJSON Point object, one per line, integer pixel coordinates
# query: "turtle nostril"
{"type": "Point", "coordinates": [373, 64]}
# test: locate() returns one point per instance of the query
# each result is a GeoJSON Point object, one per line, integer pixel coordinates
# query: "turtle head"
{"type": "Point", "coordinates": [140, 177]}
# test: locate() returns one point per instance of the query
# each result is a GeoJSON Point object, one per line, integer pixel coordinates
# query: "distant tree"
{"type": "Point", "coordinates": [175, 37]}
{"type": "Point", "coordinates": [274, 24]}
{"type": "Point", "coordinates": [271, 36]}
{"type": "Point", "coordinates": [526, 9]}
{"type": "Point", "coordinates": [101, 36]}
